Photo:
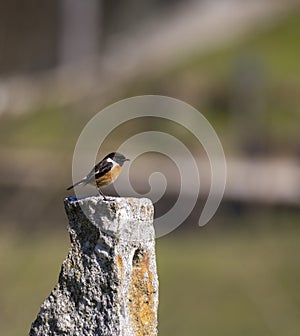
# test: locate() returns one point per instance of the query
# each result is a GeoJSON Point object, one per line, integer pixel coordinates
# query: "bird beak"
{"type": "Point", "coordinates": [127, 159]}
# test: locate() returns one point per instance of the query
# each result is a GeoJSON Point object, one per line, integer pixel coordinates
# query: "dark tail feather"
{"type": "Point", "coordinates": [74, 185]}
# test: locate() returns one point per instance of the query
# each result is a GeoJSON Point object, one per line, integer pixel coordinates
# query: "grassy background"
{"type": "Point", "coordinates": [205, 80]}
{"type": "Point", "coordinates": [237, 284]}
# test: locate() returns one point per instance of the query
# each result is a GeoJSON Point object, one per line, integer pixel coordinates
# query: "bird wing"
{"type": "Point", "coordinates": [99, 170]}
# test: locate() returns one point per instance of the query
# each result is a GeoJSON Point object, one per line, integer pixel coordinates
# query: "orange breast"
{"type": "Point", "coordinates": [108, 177]}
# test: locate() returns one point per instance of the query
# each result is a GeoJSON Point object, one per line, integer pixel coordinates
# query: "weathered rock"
{"type": "Point", "coordinates": [108, 283]}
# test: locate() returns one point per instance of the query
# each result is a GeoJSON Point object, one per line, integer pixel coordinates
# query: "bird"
{"type": "Point", "coordinates": [104, 173]}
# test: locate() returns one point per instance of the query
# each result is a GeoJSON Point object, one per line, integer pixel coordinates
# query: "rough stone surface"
{"type": "Point", "coordinates": [108, 282]}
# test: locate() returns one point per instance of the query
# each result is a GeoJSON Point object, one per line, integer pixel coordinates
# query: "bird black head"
{"type": "Point", "coordinates": [117, 157]}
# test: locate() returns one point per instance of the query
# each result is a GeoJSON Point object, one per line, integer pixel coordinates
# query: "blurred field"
{"type": "Point", "coordinates": [236, 284]}
{"type": "Point", "coordinates": [215, 283]}
{"type": "Point", "coordinates": [209, 81]}
{"type": "Point", "coordinates": [266, 63]}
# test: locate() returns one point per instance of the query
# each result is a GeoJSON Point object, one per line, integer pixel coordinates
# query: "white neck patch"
{"type": "Point", "coordinates": [113, 162]}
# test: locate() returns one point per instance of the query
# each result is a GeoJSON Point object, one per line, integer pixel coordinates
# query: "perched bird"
{"type": "Point", "coordinates": [105, 172]}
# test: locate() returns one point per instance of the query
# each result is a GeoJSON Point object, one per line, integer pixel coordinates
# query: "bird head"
{"type": "Point", "coordinates": [117, 157]}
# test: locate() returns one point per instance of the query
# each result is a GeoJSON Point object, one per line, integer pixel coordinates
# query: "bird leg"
{"type": "Point", "coordinates": [101, 194]}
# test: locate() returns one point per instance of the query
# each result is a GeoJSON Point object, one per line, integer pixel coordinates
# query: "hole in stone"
{"type": "Point", "coordinates": [138, 255]}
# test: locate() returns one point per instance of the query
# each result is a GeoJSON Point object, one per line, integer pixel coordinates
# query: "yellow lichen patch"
{"type": "Point", "coordinates": [121, 266]}
{"type": "Point", "coordinates": [141, 297]}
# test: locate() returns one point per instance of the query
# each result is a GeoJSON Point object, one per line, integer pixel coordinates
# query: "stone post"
{"type": "Point", "coordinates": [108, 282]}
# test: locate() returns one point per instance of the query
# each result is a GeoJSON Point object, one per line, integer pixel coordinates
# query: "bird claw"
{"type": "Point", "coordinates": [101, 194]}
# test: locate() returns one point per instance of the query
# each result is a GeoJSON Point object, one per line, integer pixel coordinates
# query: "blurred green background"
{"type": "Point", "coordinates": [237, 63]}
